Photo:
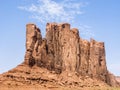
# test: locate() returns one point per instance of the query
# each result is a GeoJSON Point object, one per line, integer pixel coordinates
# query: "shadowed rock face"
{"type": "Point", "coordinates": [63, 51]}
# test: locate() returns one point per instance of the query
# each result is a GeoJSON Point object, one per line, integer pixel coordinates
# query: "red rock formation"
{"type": "Point", "coordinates": [84, 57]}
{"type": "Point", "coordinates": [33, 41]}
{"type": "Point", "coordinates": [64, 54]}
{"type": "Point", "coordinates": [97, 63]}
{"type": "Point", "coordinates": [63, 51]}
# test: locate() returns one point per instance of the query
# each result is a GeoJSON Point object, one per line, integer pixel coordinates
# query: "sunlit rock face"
{"type": "Point", "coordinates": [62, 58]}
{"type": "Point", "coordinates": [63, 51]}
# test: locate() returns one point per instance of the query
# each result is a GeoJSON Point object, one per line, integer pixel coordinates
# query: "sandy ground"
{"type": "Point", "coordinates": [54, 88]}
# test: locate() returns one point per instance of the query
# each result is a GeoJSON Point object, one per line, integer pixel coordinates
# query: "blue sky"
{"type": "Point", "coordinates": [99, 19]}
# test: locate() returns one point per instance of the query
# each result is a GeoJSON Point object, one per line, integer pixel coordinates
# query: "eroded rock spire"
{"type": "Point", "coordinates": [62, 50]}
{"type": "Point", "coordinates": [62, 58]}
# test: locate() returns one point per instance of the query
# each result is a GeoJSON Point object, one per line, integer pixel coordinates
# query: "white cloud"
{"type": "Point", "coordinates": [51, 11]}
{"type": "Point", "coordinates": [61, 11]}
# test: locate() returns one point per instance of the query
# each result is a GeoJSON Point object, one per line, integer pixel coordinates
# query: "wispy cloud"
{"type": "Point", "coordinates": [61, 11]}
{"type": "Point", "coordinates": [51, 11]}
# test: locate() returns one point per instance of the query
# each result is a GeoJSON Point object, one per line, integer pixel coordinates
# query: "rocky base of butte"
{"type": "Point", "coordinates": [61, 58]}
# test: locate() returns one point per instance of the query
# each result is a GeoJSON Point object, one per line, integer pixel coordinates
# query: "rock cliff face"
{"type": "Point", "coordinates": [63, 51]}
{"type": "Point", "coordinates": [61, 58]}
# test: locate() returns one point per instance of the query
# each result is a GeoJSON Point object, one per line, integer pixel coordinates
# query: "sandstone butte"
{"type": "Point", "coordinates": [62, 58]}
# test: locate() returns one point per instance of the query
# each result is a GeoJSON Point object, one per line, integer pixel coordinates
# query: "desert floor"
{"type": "Point", "coordinates": [54, 88]}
